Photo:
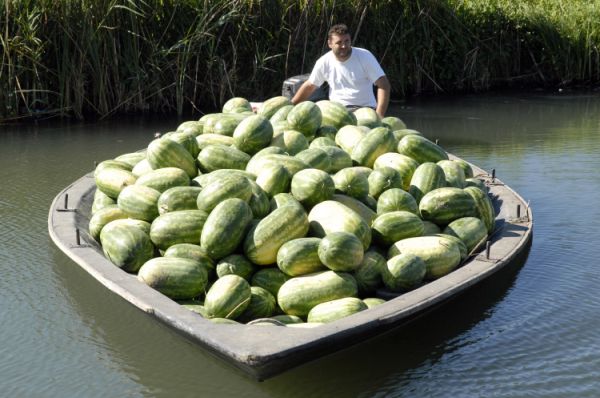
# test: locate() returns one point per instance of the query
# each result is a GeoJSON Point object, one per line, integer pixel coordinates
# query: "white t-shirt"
{"type": "Point", "coordinates": [351, 81]}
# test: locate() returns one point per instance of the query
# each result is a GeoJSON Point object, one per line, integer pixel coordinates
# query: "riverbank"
{"type": "Point", "coordinates": [102, 58]}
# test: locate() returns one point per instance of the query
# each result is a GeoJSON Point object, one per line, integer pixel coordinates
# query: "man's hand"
{"type": "Point", "coordinates": [383, 95]}
{"type": "Point", "coordinates": [304, 92]}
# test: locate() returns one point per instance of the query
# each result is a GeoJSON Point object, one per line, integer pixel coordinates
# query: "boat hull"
{"type": "Point", "coordinates": [264, 351]}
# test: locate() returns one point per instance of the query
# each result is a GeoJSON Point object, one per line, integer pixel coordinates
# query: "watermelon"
{"type": "Point", "coordinates": [188, 141]}
{"type": "Point", "coordinates": [367, 117]}
{"type": "Point", "coordinates": [291, 163]}
{"type": "Point", "coordinates": [338, 158]}
{"type": "Point", "coordinates": [427, 177]}
{"type": "Point", "coordinates": [101, 200]}
{"type": "Point", "coordinates": [291, 141]}
{"type": "Point", "coordinates": [182, 226]}
{"type": "Point", "coordinates": [395, 199]}
{"type": "Point", "coordinates": [225, 227]}
{"type": "Point", "coordinates": [331, 216]}
{"type": "Point", "coordinates": [237, 105]}
{"type": "Point", "coordinates": [228, 297]}
{"type": "Point", "coordinates": [284, 199]}
{"type": "Point", "coordinates": [305, 117]}
{"type": "Point", "coordinates": [139, 202]}
{"type": "Point", "coordinates": [403, 272]}
{"type": "Point", "coordinates": [476, 182]}
{"type": "Point", "coordinates": [205, 140]}
{"type": "Point", "coordinates": [191, 251]}
{"type": "Point", "coordinates": [259, 201]}
{"type": "Point", "coordinates": [336, 309]}
{"type": "Point", "coordinates": [272, 105]}
{"type": "Point", "coordinates": [233, 186]}
{"type": "Point", "coordinates": [341, 251]}
{"type": "Point", "coordinates": [178, 198]}
{"type": "Point", "coordinates": [282, 225]}
{"type": "Point", "coordinates": [206, 179]}
{"type": "Point", "coordinates": [396, 225]}
{"type": "Point", "coordinates": [217, 156]}
{"type": "Point", "coordinates": [443, 205]}
{"type": "Point", "coordinates": [300, 256]}
{"type": "Point", "coordinates": [455, 176]}
{"type": "Point", "coordinates": [126, 245]}
{"type": "Point", "coordinates": [348, 136]}
{"type": "Point", "coordinates": [191, 126]}
{"type": "Point", "coordinates": [440, 256]}
{"type": "Point", "coordinates": [164, 178]}
{"type": "Point", "coordinates": [298, 295]}
{"type": "Point", "coordinates": [327, 132]}
{"type": "Point", "coordinates": [467, 170]}
{"type": "Point", "coordinates": [372, 302]}
{"type": "Point", "coordinates": [274, 179]}
{"type": "Point", "coordinates": [484, 207]}
{"type": "Point", "coordinates": [321, 142]}
{"type": "Point", "coordinates": [315, 158]}
{"type": "Point", "coordinates": [393, 123]}
{"type": "Point", "coordinates": [163, 152]}
{"type": "Point", "coordinates": [430, 228]}
{"type": "Point", "coordinates": [253, 134]}
{"type": "Point", "coordinates": [471, 230]}
{"type": "Point", "coordinates": [357, 206]}
{"type": "Point", "coordinates": [352, 183]}
{"type": "Point", "coordinates": [176, 278]}
{"type": "Point", "coordinates": [312, 186]}
{"type": "Point", "coordinates": [111, 164]}
{"type": "Point", "coordinates": [335, 114]}
{"type": "Point", "coordinates": [399, 134]}
{"type": "Point", "coordinates": [281, 114]}
{"type": "Point", "coordinates": [287, 319]}
{"type": "Point", "coordinates": [111, 181]}
{"type": "Point", "coordinates": [223, 124]}
{"type": "Point", "coordinates": [262, 305]}
{"type": "Point", "coordinates": [132, 158]}
{"type": "Point", "coordinates": [141, 168]}
{"type": "Point", "coordinates": [270, 279]}
{"type": "Point", "coordinates": [368, 273]}
{"type": "Point", "coordinates": [235, 264]}
{"type": "Point", "coordinates": [102, 217]}
{"type": "Point", "coordinates": [375, 143]}
{"type": "Point", "coordinates": [403, 164]}
{"type": "Point", "coordinates": [382, 179]}
{"type": "Point", "coordinates": [421, 149]}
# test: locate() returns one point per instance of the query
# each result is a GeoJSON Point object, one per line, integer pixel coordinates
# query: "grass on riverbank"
{"type": "Point", "coordinates": [102, 57]}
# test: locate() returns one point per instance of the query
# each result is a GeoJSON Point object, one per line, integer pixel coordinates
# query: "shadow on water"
{"type": "Point", "coordinates": [162, 362]}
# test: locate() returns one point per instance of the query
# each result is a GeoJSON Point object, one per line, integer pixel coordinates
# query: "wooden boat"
{"type": "Point", "coordinates": [264, 351]}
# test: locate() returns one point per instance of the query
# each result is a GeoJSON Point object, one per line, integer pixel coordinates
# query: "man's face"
{"type": "Point", "coordinates": [341, 46]}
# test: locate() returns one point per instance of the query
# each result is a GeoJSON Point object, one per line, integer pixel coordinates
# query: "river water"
{"type": "Point", "coordinates": [533, 330]}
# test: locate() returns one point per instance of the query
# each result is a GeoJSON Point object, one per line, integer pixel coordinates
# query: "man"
{"type": "Point", "coordinates": [350, 72]}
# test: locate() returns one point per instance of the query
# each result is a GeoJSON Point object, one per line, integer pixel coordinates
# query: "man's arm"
{"type": "Point", "coordinates": [304, 92]}
{"type": "Point", "coordinates": [383, 95]}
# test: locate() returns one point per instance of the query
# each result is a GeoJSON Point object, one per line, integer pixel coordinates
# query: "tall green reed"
{"type": "Point", "coordinates": [99, 58]}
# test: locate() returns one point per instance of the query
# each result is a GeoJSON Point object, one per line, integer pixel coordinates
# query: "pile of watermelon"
{"type": "Point", "coordinates": [294, 215]}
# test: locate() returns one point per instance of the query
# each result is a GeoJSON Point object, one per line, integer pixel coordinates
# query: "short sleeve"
{"type": "Point", "coordinates": [374, 70]}
{"type": "Point", "coordinates": [317, 76]}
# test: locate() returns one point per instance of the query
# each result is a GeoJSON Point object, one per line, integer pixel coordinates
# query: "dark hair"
{"type": "Point", "coordinates": [338, 29]}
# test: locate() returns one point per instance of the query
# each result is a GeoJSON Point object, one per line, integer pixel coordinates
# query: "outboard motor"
{"type": "Point", "coordinates": [292, 85]}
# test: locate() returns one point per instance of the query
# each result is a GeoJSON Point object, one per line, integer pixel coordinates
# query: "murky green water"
{"type": "Point", "coordinates": [532, 331]}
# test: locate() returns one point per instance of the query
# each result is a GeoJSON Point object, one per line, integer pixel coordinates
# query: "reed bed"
{"type": "Point", "coordinates": [99, 58]}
